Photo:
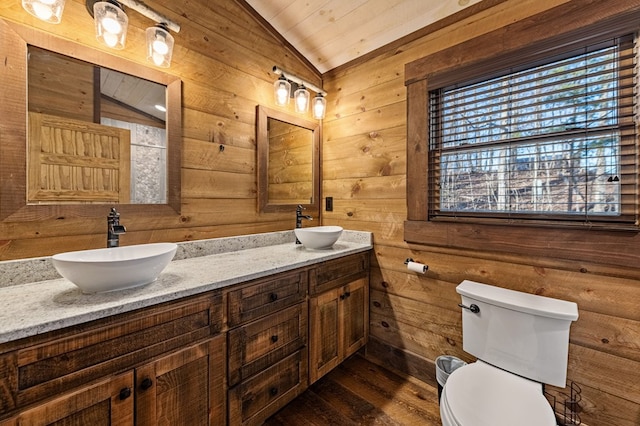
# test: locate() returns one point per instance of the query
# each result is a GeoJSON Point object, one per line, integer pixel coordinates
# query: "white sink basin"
{"type": "Point", "coordinates": [318, 237]}
{"type": "Point", "coordinates": [109, 269]}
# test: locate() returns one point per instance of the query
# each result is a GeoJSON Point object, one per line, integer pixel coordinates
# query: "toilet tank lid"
{"type": "Point", "coordinates": [519, 301]}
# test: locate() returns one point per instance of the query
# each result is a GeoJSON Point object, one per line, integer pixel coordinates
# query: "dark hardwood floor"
{"type": "Point", "coordinates": [359, 392]}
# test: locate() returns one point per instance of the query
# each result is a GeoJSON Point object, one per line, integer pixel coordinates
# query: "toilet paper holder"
{"type": "Point", "coordinates": [422, 268]}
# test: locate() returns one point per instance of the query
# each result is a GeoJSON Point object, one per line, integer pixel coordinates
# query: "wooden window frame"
{"type": "Point", "coordinates": [538, 36]}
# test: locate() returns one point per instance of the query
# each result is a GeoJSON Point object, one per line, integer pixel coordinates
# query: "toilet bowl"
{"type": "Point", "coordinates": [520, 341]}
{"type": "Point", "coordinates": [480, 394]}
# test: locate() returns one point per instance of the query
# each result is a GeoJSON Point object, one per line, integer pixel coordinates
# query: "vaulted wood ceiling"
{"type": "Point", "coordinates": [329, 33]}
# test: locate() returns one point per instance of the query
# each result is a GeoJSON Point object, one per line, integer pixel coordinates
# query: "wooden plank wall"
{"type": "Point", "coordinates": [415, 318]}
{"type": "Point", "coordinates": [224, 58]}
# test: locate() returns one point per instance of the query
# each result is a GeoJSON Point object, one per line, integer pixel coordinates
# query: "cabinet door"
{"type": "Point", "coordinates": [179, 388]}
{"type": "Point", "coordinates": [325, 340]}
{"type": "Point", "coordinates": [109, 402]}
{"type": "Point", "coordinates": [339, 321]}
{"type": "Point", "coordinates": [355, 304]}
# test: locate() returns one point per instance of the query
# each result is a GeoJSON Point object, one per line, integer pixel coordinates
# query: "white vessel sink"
{"type": "Point", "coordinates": [109, 269]}
{"type": "Point", "coordinates": [318, 237]}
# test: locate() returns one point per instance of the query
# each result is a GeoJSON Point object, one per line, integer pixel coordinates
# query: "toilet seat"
{"type": "Point", "coordinates": [480, 394]}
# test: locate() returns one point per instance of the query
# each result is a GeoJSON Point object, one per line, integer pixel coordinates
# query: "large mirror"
{"type": "Point", "coordinates": [288, 161]}
{"type": "Point", "coordinates": [81, 128]}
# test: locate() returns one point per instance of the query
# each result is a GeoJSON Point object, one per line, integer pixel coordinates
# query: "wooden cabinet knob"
{"type": "Point", "coordinates": [273, 297]}
{"type": "Point", "coordinates": [273, 391]}
{"type": "Point", "coordinates": [274, 338]}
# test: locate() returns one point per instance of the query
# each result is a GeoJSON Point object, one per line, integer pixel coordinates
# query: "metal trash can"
{"type": "Point", "coordinates": [445, 365]}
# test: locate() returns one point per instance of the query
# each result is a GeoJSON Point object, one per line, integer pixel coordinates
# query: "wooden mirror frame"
{"type": "Point", "coordinates": [14, 39]}
{"type": "Point", "coordinates": [262, 139]}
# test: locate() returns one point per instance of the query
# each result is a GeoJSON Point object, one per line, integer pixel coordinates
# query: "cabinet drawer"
{"type": "Point", "coordinates": [259, 344]}
{"type": "Point", "coordinates": [252, 401]}
{"type": "Point", "coordinates": [264, 297]}
{"type": "Point", "coordinates": [334, 273]}
{"type": "Point", "coordinates": [111, 345]}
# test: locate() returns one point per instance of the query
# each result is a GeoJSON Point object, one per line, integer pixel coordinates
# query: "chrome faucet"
{"type": "Point", "coordinates": [299, 217]}
{"type": "Point", "coordinates": [114, 229]}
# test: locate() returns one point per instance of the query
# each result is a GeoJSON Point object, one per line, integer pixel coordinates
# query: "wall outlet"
{"type": "Point", "coordinates": [328, 204]}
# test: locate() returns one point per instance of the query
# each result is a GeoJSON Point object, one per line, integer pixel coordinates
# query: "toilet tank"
{"type": "Point", "coordinates": [519, 332]}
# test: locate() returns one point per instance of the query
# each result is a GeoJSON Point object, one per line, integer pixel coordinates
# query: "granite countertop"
{"type": "Point", "coordinates": [29, 306]}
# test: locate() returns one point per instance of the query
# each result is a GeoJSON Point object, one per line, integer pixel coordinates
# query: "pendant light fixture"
{"type": "Point", "coordinates": [46, 10]}
{"type": "Point", "coordinates": [111, 23]}
{"type": "Point", "coordinates": [159, 45]}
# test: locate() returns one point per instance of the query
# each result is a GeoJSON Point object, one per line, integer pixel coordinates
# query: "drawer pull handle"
{"type": "Point", "coordinates": [273, 297]}
{"type": "Point", "coordinates": [124, 393]}
{"type": "Point", "coordinates": [274, 338]}
{"type": "Point", "coordinates": [146, 383]}
{"type": "Point", "coordinates": [273, 391]}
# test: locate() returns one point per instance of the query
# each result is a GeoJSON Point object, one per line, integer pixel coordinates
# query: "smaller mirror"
{"type": "Point", "coordinates": [288, 162]}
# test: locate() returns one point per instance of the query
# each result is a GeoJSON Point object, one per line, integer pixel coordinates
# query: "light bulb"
{"type": "Point", "coordinates": [43, 11]}
{"type": "Point", "coordinates": [160, 46]}
{"type": "Point", "coordinates": [283, 94]}
{"type": "Point", "coordinates": [46, 10]}
{"type": "Point", "coordinates": [110, 39]}
{"type": "Point", "coordinates": [111, 25]}
{"type": "Point", "coordinates": [302, 100]}
{"type": "Point", "coordinates": [158, 58]}
{"type": "Point", "coordinates": [319, 107]}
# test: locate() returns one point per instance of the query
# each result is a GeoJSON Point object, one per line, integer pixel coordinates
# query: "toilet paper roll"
{"type": "Point", "coordinates": [417, 267]}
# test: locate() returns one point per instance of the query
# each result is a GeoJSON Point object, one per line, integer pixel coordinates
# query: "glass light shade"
{"type": "Point", "coordinates": [111, 24]}
{"type": "Point", "coordinates": [47, 10]}
{"type": "Point", "coordinates": [319, 107]}
{"type": "Point", "coordinates": [159, 46]}
{"type": "Point", "coordinates": [281, 91]}
{"type": "Point", "coordinates": [301, 98]}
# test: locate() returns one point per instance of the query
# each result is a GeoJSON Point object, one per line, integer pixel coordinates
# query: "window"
{"type": "Point", "coordinates": [521, 213]}
{"type": "Point", "coordinates": [554, 140]}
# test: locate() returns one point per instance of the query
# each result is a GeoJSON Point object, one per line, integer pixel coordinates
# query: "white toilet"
{"type": "Point", "coordinates": [521, 341]}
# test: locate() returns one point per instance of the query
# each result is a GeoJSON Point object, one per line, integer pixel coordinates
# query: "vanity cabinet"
{"type": "Point", "coordinates": [232, 356]}
{"type": "Point", "coordinates": [267, 359]}
{"type": "Point", "coordinates": [338, 312]}
{"type": "Point", "coordinates": [151, 366]}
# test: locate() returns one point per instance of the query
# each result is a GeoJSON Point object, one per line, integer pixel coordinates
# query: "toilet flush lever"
{"type": "Point", "coordinates": [473, 308]}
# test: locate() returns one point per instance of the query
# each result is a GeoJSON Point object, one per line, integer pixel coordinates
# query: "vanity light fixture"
{"type": "Point", "coordinates": [282, 90]}
{"type": "Point", "coordinates": [111, 24]}
{"type": "Point", "coordinates": [47, 10]}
